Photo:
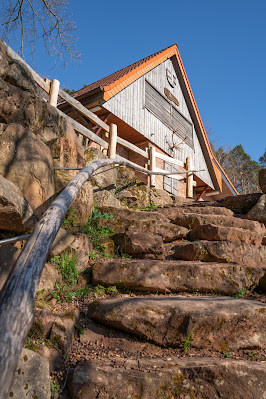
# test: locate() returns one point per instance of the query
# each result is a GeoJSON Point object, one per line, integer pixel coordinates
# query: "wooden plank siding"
{"type": "Point", "coordinates": [129, 105]}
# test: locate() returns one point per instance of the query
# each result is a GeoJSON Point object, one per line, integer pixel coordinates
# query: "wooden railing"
{"type": "Point", "coordinates": [17, 295]}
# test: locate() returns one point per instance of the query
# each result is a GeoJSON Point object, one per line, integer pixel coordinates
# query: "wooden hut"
{"type": "Point", "coordinates": [152, 103]}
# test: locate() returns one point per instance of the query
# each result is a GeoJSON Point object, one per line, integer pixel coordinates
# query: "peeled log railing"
{"type": "Point", "coordinates": [17, 295]}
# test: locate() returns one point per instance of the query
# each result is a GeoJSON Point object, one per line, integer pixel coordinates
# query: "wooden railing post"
{"type": "Point", "coordinates": [53, 95]}
{"type": "Point", "coordinates": [152, 165]}
{"type": "Point", "coordinates": [113, 141]}
{"type": "Point", "coordinates": [189, 186]}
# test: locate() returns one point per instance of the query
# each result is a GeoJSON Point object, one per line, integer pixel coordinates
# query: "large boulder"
{"type": "Point", "coordinates": [62, 241]}
{"type": "Point", "coordinates": [210, 232]}
{"type": "Point", "coordinates": [175, 276]}
{"type": "Point", "coordinates": [201, 378]}
{"type": "Point", "coordinates": [222, 251]}
{"type": "Point", "coordinates": [262, 180]}
{"type": "Point", "coordinates": [213, 323]}
{"type": "Point", "coordinates": [258, 212]}
{"type": "Point", "coordinates": [31, 379]}
{"type": "Point", "coordinates": [140, 245]}
{"type": "Point", "coordinates": [15, 212]}
{"type": "Point", "coordinates": [82, 207]}
{"type": "Point", "coordinates": [48, 278]}
{"type": "Point", "coordinates": [160, 197]}
{"type": "Point", "coordinates": [240, 204]}
{"type": "Point", "coordinates": [28, 163]}
{"type": "Point", "coordinates": [4, 67]}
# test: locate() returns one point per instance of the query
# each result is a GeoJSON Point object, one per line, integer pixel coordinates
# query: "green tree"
{"type": "Point", "coordinates": [262, 160]}
{"type": "Point", "coordinates": [241, 169]}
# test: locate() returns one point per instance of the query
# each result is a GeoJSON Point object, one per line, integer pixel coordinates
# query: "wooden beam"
{"type": "Point", "coordinates": [132, 147]}
{"type": "Point", "coordinates": [152, 165]}
{"type": "Point", "coordinates": [53, 95]}
{"type": "Point", "coordinates": [202, 193]}
{"type": "Point", "coordinates": [113, 141]}
{"type": "Point", "coordinates": [189, 187]}
{"type": "Point", "coordinates": [169, 159]}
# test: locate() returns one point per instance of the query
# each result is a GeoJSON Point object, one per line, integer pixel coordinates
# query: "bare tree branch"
{"type": "Point", "coordinates": [33, 20]}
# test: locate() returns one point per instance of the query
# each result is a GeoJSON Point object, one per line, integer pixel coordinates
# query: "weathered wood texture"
{"type": "Point", "coordinates": [17, 295]}
{"type": "Point", "coordinates": [129, 105]}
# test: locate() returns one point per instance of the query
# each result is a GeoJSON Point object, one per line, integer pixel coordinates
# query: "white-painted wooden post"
{"type": "Point", "coordinates": [53, 95]}
{"type": "Point", "coordinates": [113, 141]}
{"type": "Point", "coordinates": [152, 165]}
{"type": "Point", "coordinates": [189, 178]}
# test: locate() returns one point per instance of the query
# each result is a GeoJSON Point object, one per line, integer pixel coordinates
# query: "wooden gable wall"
{"type": "Point", "coordinates": [130, 105]}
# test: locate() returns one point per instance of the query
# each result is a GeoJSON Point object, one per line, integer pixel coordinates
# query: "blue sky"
{"type": "Point", "coordinates": [222, 44]}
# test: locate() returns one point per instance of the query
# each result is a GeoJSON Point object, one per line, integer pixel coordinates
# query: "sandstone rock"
{"type": "Point", "coordinates": [61, 242]}
{"type": "Point", "coordinates": [27, 162]}
{"type": "Point", "coordinates": [263, 282]}
{"type": "Point", "coordinates": [240, 204]}
{"type": "Point", "coordinates": [82, 207]}
{"type": "Point", "coordinates": [48, 278]}
{"type": "Point", "coordinates": [201, 378]}
{"type": "Point", "coordinates": [143, 221]}
{"type": "Point", "coordinates": [20, 77]}
{"type": "Point", "coordinates": [210, 232]}
{"type": "Point", "coordinates": [213, 323]}
{"type": "Point", "coordinates": [67, 150]}
{"type": "Point", "coordinates": [140, 245]}
{"type": "Point", "coordinates": [173, 212]}
{"type": "Point", "coordinates": [174, 276]}
{"type": "Point", "coordinates": [135, 196]}
{"type": "Point", "coordinates": [258, 212]}
{"type": "Point", "coordinates": [105, 198]}
{"type": "Point", "coordinates": [222, 251]}
{"type": "Point", "coordinates": [108, 245]}
{"type": "Point", "coordinates": [15, 212]}
{"type": "Point", "coordinates": [8, 256]}
{"type": "Point", "coordinates": [192, 220]}
{"type": "Point", "coordinates": [262, 180]}
{"type": "Point", "coordinates": [58, 328]}
{"type": "Point", "coordinates": [104, 177]}
{"type": "Point", "coordinates": [159, 197]}
{"type": "Point", "coordinates": [4, 67]}
{"type": "Point", "coordinates": [31, 379]}
{"type": "Point", "coordinates": [82, 246]}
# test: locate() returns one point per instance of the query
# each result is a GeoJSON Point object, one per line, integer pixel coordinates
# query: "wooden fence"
{"type": "Point", "coordinates": [17, 295]}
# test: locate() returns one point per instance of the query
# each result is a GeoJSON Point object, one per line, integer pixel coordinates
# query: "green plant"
{"type": "Point", "coordinates": [241, 293]}
{"type": "Point", "coordinates": [62, 293]}
{"type": "Point", "coordinates": [55, 390]}
{"type": "Point", "coordinates": [70, 221]}
{"type": "Point", "coordinates": [100, 290]}
{"type": "Point", "coordinates": [227, 354]}
{"type": "Point", "coordinates": [66, 264]}
{"type": "Point", "coordinates": [150, 207]}
{"type": "Point", "coordinates": [188, 341]}
{"type": "Point", "coordinates": [96, 232]}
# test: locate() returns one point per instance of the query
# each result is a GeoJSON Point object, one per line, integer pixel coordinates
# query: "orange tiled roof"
{"type": "Point", "coordinates": [117, 81]}
{"type": "Point", "coordinates": [110, 81]}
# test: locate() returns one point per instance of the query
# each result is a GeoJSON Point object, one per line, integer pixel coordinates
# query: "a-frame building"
{"type": "Point", "coordinates": [152, 103]}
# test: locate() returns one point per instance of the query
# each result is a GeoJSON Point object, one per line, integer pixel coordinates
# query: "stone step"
{"type": "Point", "coordinates": [214, 323]}
{"type": "Point", "coordinates": [211, 232]}
{"type": "Point", "coordinates": [172, 212]}
{"type": "Point", "coordinates": [201, 378]}
{"type": "Point", "coordinates": [222, 251]}
{"type": "Point", "coordinates": [193, 220]}
{"type": "Point", "coordinates": [176, 276]}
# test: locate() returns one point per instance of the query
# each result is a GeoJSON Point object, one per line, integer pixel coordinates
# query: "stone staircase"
{"type": "Point", "coordinates": [187, 261]}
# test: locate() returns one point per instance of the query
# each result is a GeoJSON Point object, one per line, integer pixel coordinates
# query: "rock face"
{"type": "Point", "coordinates": [201, 378]}
{"type": "Point", "coordinates": [176, 276]}
{"type": "Point", "coordinates": [31, 379]}
{"type": "Point", "coordinates": [62, 241]}
{"type": "Point", "coordinates": [191, 220]}
{"type": "Point", "coordinates": [240, 204]}
{"type": "Point", "coordinates": [140, 245]}
{"type": "Point", "coordinates": [48, 278]}
{"type": "Point", "coordinates": [28, 163]}
{"type": "Point", "coordinates": [222, 251]}
{"type": "Point", "coordinates": [262, 180]}
{"type": "Point", "coordinates": [15, 212]}
{"type": "Point", "coordinates": [258, 212]}
{"type": "Point", "coordinates": [213, 323]}
{"type": "Point", "coordinates": [127, 220]}
{"type": "Point", "coordinates": [210, 232]}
